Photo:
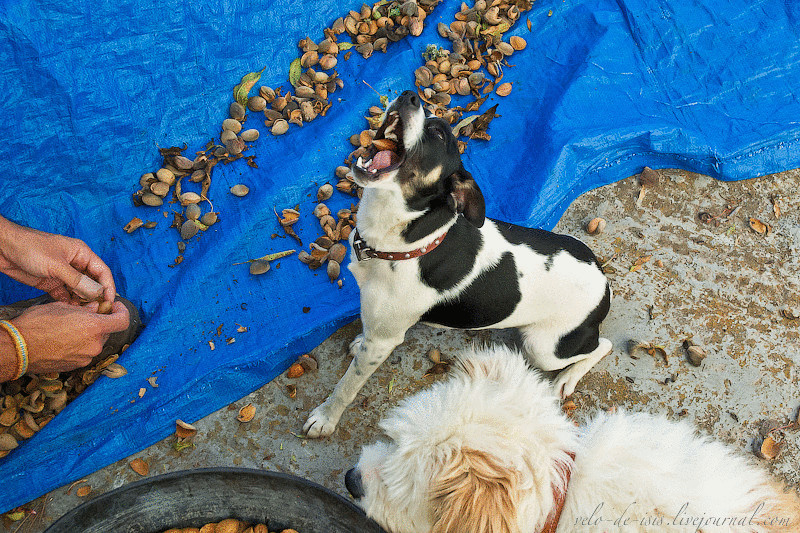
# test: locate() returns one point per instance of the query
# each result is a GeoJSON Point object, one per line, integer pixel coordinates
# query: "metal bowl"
{"type": "Point", "coordinates": [192, 498]}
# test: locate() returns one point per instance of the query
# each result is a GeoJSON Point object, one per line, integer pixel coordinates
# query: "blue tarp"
{"type": "Point", "coordinates": [92, 89]}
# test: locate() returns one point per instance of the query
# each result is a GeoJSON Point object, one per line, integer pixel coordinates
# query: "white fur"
{"type": "Point", "coordinates": [658, 474]}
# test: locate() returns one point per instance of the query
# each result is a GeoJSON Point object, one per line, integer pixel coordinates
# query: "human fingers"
{"type": "Point", "coordinates": [118, 320]}
{"type": "Point", "coordinates": [88, 288]}
{"type": "Point", "coordinates": [85, 260]}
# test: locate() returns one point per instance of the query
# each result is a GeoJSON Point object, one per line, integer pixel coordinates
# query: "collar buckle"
{"type": "Point", "coordinates": [360, 248]}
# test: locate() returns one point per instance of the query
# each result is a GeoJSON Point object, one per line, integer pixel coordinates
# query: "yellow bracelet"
{"type": "Point", "coordinates": [22, 348]}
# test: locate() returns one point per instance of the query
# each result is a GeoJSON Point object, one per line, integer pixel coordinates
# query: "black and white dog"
{"type": "Point", "coordinates": [424, 251]}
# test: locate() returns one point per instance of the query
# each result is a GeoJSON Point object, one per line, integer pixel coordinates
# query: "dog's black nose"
{"type": "Point", "coordinates": [352, 480]}
{"type": "Point", "coordinates": [409, 98]}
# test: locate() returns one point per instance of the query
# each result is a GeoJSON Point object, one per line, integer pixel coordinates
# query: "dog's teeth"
{"type": "Point", "coordinates": [391, 136]}
{"type": "Point", "coordinates": [360, 162]}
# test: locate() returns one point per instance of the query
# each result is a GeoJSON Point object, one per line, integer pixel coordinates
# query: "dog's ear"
{"type": "Point", "coordinates": [474, 492]}
{"type": "Point", "coordinates": [466, 197]}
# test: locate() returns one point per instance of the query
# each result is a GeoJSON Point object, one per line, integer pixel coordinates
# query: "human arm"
{"type": "Point", "coordinates": [60, 337]}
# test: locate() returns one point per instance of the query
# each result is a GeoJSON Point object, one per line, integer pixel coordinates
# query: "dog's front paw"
{"type": "Point", "coordinates": [320, 423]}
{"type": "Point", "coordinates": [357, 343]}
{"type": "Point", "coordinates": [565, 383]}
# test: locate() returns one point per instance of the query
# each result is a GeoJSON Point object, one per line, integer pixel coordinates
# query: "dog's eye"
{"type": "Point", "coordinates": [437, 131]}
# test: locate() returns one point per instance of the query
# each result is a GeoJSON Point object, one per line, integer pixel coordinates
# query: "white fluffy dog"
{"type": "Point", "coordinates": [489, 450]}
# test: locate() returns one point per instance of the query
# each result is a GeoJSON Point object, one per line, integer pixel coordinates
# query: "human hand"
{"type": "Point", "coordinates": [61, 266]}
{"type": "Point", "coordinates": [62, 337]}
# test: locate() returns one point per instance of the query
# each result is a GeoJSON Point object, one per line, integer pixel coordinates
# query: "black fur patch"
{"type": "Point", "coordinates": [585, 337]}
{"type": "Point", "coordinates": [430, 223]}
{"type": "Point", "coordinates": [450, 262]}
{"type": "Point", "coordinates": [489, 299]}
{"type": "Point", "coordinates": [546, 243]}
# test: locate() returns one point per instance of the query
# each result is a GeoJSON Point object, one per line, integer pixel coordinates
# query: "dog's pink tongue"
{"type": "Point", "coordinates": [382, 159]}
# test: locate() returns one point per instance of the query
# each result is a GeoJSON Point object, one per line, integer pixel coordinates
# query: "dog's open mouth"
{"type": "Point", "coordinates": [386, 152]}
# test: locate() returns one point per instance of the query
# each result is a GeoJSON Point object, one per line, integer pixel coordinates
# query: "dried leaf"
{"type": "Point", "coordinates": [83, 491]}
{"type": "Point", "coordinates": [291, 233]}
{"type": "Point", "coordinates": [475, 104]}
{"type": "Point", "coordinates": [140, 466]}
{"type": "Point", "coordinates": [480, 135]}
{"type": "Point", "coordinates": [242, 90]}
{"type": "Point", "coordinates": [184, 430]}
{"type": "Point", "coordinates": [759, 227]}
{"type": "Point", "coordinates": [291, 390]}
{"type": "Point", "coordinates": [481, 124]}
{"type": "Point", "coordinates": [172, 151]}
{"type": "Point", "coordinates": [247, 413]}
{"type": "Point", "coordinates": [649, 177]}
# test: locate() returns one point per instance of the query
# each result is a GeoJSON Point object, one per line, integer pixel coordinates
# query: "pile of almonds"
{"type": "Point", "coordinates": [313, 80]}
{"type": "Point", "coordinates": [27, 404]}
{"type": "Point", "coordinates": [373, 28]}
{"type": "Point", "coordinates": [229, 525]}
{"type": "Point", "coordinates": [327, 247]}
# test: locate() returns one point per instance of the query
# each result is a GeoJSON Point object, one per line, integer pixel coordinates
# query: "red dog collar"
{"type": "Point", "coordinates": [364, 252]}
{"type": "Point", "coordinates": [559, 497]}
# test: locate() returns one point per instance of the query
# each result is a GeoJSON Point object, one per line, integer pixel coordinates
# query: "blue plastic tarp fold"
{"type": "Point", "coordinates": [93, 89]}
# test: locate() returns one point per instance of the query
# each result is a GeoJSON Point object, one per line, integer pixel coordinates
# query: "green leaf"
{"type": "Point", "coordinates": [384, 100]}
{"type": "Point", "coordinates": [294, 71]}
{"type": "Point", "coordinates": [269, 257]}
{"type": "Point", "coordinates": [180, 446]}
{"type": "Point", "coordinates": [242, 90]}
{"type": "Point", "coordinates": [463, 123]}
{"type": "Point", "coordinates": [345, 46]}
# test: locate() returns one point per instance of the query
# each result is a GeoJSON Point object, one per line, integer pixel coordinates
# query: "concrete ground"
{"type": "Point", "coordinates": [677, 274]}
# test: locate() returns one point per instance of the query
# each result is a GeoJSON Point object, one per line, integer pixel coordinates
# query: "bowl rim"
{"type": "Point", "coordinates": [205, 471]}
